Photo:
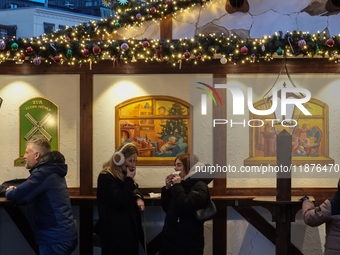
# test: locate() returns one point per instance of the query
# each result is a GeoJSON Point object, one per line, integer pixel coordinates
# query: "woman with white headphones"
{"type": "Point", "coordinates": [119, 204]}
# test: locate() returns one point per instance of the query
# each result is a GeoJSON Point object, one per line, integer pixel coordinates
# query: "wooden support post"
{"type": "Point", "coordinates": [220, 181]}
{"type": "Point", "coordinates": [86, 133]}
{"type": "Point", "coordinates": [220, 138]}
{"type": "Point", "coordinates": [283, 211]}
{"type": "Point", "coordinates": [86, 144]}
{"type": "Point", "coordinates": [166, 27]}
{"type": "Point", "coordinates": [86, 228]}
{"type": "Point", "coordinates": [284, 160]}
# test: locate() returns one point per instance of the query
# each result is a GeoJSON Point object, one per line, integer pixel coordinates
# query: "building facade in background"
{"type": "Point", "coordinates": [26, 19]}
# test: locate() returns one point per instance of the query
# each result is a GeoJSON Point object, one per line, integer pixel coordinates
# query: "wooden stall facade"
{"type": "Point", "coordinates": [240, 198]}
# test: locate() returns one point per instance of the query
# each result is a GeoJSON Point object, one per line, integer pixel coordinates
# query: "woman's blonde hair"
{"type": "Point", "coordinates": [112, 168]}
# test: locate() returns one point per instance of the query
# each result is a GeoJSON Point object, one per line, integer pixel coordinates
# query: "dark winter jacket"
{"type": "Point", "coordinates": [48, 202]}
{"type": "Point", "coordinates": [119, 225]}
{"type": "Point", "coordinates": [182, 233]}
{"type": "Point", "coordinates": [328, 212]}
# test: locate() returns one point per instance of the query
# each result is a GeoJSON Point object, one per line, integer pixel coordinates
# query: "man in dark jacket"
{"type": "Point", "coordinates": [47, 198]}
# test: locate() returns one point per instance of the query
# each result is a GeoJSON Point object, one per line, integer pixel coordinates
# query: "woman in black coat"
{"type": "Point", "coordinates": [182, 195]}
{"type": "Point", "coordinates": [119, 225]}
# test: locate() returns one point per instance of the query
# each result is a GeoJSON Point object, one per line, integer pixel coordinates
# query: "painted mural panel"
{"type": "Point", "coordinates": [309, 133]}
{"type": "Point", "coordinates": [38, 117]}
{"type": "Point", "coordinates": [159, 128]}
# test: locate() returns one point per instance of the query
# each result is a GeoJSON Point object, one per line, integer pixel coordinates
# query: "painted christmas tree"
{"type": "Point", "coordinates": [175, 126]}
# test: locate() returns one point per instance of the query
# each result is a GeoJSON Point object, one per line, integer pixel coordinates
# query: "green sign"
{"type": "Point", "coordinates": [38, 117]}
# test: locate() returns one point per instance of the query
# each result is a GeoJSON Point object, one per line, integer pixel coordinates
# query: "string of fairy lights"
{"type": "Point", "coordinates": [75, 46]}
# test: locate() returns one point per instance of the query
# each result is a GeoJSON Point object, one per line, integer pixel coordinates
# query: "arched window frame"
{"type": "Point", "coordinates": [253, 160]}
{"type": "Point", "coordinates": [153, 116]}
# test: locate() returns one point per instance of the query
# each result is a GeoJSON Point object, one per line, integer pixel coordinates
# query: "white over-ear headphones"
{"type": "Point", "coordinates": [121, 155]}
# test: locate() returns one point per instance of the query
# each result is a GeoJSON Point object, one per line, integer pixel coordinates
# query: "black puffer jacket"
{"type": "Point", "coordinates": [119, 225]}
{"type": "Point", "coordinates": [182, 233]}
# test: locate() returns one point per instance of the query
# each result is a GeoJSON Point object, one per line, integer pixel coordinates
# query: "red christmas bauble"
{"type": "Point", "coordinates": [153, 10]}
{"type": "Point", "coordinates": [67, 38]}
{"type": "Point", "coordinates": [29, 50]}
{"type": "Point", "coordinates": [57, 59]}
{"type": "Point", "coordinates": [330, 42]}
{"type": "Point", "coordinates": [187, 54]}
{"type": "Point", "coordinates": [146, 44]}
{"type": "Point", "coordinates": [244, 50]}
{"type": "Point", "coordinates": [96, 49]}
{"type": "Point", "coordinates": [86, 53]}
{"type": "Point", "coordinates": [167, 2]}
{"type": "Point", "coordinates": [22, 56]}
{"type": "Point", "coordinates": [199, 57]}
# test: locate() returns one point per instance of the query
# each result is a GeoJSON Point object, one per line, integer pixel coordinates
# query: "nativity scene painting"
{"type": "Point", "coordinates": [309, 133]}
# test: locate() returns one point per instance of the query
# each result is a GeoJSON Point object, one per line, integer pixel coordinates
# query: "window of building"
{"type": "Point", "coordinates": [91, 3]}
{"type": "Point", "coordinates": [7, 32]}
{"type": "Point", "coordinates": [62, 28]}
{"type": "Point", "coordinates": [14, 6]}
{"type": "Point", "coordinates": [48, 28]}
{"type": "Point", "coordinates": [3, 33]}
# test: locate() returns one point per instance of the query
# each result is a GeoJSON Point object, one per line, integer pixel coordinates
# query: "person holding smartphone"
{"type": "Point", "coordinates": [119, 205]}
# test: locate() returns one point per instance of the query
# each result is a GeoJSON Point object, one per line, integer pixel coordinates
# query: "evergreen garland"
{"type": "Point", "coordinates": [71, 44]}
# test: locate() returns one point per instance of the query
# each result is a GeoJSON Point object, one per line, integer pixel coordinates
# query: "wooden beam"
{"type": "Point", "coordinates": [220, 138]}
{"type": "Point", "coordinates": [86, 133]}
{"type": "Point", "coordinates": [220, 229]}
{"type": "Point", "coordinates": [284, 159]}
{"type": "Point", "coordinates": [166, 27]}
{"type": "Point", "coordinates": [220, 158]}
{"type": "Point", "coordinates": [263, 226]}
{"type": "Point", "coordinates": [294, 65]}
{"type": "Point", "coordinates": [86, 228]}
{"type": "Point", "coordinates": [319, 194]}
{"type": "Point", "coordinates": [86, 163]}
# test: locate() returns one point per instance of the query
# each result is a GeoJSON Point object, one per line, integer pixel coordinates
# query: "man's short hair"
{"type": "Point", "coordinates": [39, 144]}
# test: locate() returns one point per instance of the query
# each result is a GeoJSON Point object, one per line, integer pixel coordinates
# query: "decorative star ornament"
{"type": "Point", "coordinates": [106, 3]}
{"type": "Point", "coordinates": [123, 2]}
